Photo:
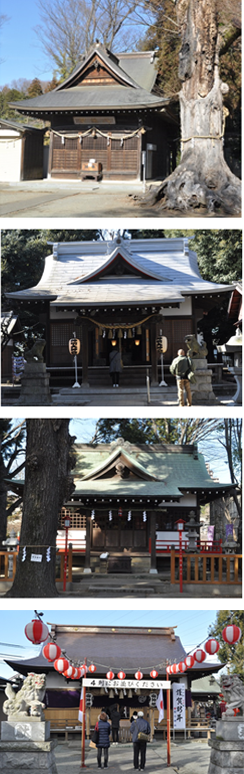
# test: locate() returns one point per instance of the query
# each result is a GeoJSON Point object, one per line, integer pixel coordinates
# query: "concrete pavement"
{"type": "Point", "coordinates": [74, 198]}
{"type": "Point", "coordinates": [186, 758]}
{"type": "Point", "coordinates": [82, 199]}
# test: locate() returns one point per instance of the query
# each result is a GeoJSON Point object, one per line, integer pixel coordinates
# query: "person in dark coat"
{"type": "Point", "coordinates": [115, 366]}
{"type": "Point", "coordinates": [103, 743]}
{"type": "Point", "coordinates": [115, 718]}
{"type": "Point", "coordinates": [139, 745]}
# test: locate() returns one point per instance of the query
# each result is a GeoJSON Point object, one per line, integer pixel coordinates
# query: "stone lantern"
{"type": "Point", "coordinates": [232, 355]}
{"type": "Point", "coordinates": [191, 533]}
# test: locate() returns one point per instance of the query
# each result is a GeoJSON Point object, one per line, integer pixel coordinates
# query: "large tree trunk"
{"type": "Point", "coordinates": [48, 484]}
{"type": "Point", "coordinates": [202, 177]}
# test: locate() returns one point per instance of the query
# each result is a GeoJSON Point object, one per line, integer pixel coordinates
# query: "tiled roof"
{"type": "Point", "coordinates": [134, 75]}
{"type": "Point", "coordinates": [174, 468]}
{"type": "Point", "coordinates": [91, 98]}
{"type": "Point", "coordinates": [170, 261]}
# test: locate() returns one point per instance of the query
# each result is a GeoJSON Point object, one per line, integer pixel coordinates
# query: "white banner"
{"type": "Point", "coordinates": [179, 706]}
{"type": "Point", "coordinates": [93, 682]}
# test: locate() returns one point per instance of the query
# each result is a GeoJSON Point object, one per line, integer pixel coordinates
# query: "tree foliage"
{"type": "Point", "coordinates": [219, 252]}
{"type": "Point", "coordinates": [69, 28]}
{"type": "Point", "coordinates": [231, 655]}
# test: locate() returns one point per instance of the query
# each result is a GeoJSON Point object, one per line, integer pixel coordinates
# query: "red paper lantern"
{"type": "Point", "coordinates": [174, 669]}
{"type": "Point", "coordinates": [121, 675]}
{"type": "Point", "coordinates": [61, 664]}
{"type": "Point", "coordinates": [182, 666]}
{"type": "Point", "coordinates": [36, 631]}
{"type": "Point", "coordinates": [110, 675]}
{"type": "Point", "coordinates": [51, 651]}
{"type": "Point", "coordinates": [199, 655]}
{"type": "Point", "coordinates": [231, 634]}
{"type": "Point", "coordinates": [69, 672]}
{"type": "Point", "coordinates": [92, 668]}
{"type": "Point", "coordinates": [153, 674]}
{"type": "Point", "coordinates": [189, 662]}
{"type": "Point", "coordinates": [77, 674]}
{"type": "Point", "coordinates": [85, 668]}
{"type": "Point", "coordinates": [138, 675]}
{"type": "Point", "coordinates": [168, 670]}
{"type": "Point", "coordinates": [211, 646]}
{"type": "Point", "coordinates": [80, 673]}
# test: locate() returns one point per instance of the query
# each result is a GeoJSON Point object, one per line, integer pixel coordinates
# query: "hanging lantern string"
{"type": "Point", "coordinates": [159, 666]}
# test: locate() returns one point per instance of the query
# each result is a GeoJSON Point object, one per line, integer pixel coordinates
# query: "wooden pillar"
{"type": "Point", "coordinates": [50, 155]}
{"type": "Point", "coordinates": [85, 382]}
{"type": "Point", "coordinates": [154, 357]}
{"type": "Point", "coordinates": [87, 568]}
{"type": "Point", "coordinates": [153, 568]}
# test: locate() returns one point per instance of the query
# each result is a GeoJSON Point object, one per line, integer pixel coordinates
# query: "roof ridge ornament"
{"type": "Point", "coordinates": [121, 442]}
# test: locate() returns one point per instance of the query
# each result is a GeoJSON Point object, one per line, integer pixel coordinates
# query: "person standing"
{"type": "Point", "coordinates": [115, 719]}
{"type": "Point", "coordinates": [138, 727]}
{"type": "Point", "coordinates": [103, 743]}
{"type": "Point", "coordinates": [180, 368]}
{"type": "Point", "coordinates": [115, 366]}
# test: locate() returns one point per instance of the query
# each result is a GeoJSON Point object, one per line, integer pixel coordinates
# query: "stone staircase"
{"type": "Point", "coordinates": [107, 396]}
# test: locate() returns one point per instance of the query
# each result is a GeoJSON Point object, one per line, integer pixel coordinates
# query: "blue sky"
{"type": "Point", "coordinates": [21, 54]}
{"type": "Point", "coordinates": [192, 625]}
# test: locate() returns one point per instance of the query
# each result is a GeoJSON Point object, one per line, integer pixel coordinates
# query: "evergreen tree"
{"type": "Point", "coordinates": [230, 655]}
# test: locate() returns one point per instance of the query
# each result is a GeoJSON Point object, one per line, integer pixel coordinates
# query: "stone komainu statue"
{"type": "Point", "coordinates": [194, 348]}
{"type": "Point", "coordinates": [232, 689]}
{"type": "Point", "coordinates": [35, 353]}
{"type": "Point", "coordinates": [27, 702]}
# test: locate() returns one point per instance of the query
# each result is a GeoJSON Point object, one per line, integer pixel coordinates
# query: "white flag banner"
{"type": "Point", "coordinates": [160, 705]}
{"type": "Point", "coordinates": [80, 715]}
{"type": "Point", "coordinates": [179, 706]}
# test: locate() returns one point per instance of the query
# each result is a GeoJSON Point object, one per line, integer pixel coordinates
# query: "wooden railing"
{"type": "Point", "coordinates": [60, 574]}
{"type": "Point", "coordinates": [203, 568]}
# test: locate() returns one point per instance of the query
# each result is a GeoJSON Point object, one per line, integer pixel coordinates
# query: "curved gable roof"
{"type": "Point", "coordinates": [110, 62]}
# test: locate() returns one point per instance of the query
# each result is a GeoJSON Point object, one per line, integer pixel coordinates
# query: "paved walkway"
{"type": "Point", "coordinates": [186, 758]}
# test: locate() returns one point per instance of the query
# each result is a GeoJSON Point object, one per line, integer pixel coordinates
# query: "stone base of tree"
{"type": "Point", "coordinates": [228, 747]}
{"type": "Point", "coordinates": [35, 389]}
{"type": "Point", "coordinates": [202, 391]}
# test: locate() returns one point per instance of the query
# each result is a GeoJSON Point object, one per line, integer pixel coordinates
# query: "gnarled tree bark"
{"type": "Point", "coordinates": [48, 483]}
{"type": "Point", "coordinates": [202, 179]}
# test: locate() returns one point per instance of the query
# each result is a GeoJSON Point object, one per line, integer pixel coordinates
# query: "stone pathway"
{"type": "Point", "coordinates": [186, 758]}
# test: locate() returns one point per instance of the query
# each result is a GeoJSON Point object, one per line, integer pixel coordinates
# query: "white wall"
{"type": "Point", "coordinates": [10, 156]}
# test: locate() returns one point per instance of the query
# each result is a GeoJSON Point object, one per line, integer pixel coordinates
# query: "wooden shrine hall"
{"type": "Point", "coordinates": [124, 292]}
{"type": "Point", "coordinates": [111, 649]}
{"type": "Point", "coordinates": [127, 501]}
{"type": "Point", "coordinates": [108, 116]}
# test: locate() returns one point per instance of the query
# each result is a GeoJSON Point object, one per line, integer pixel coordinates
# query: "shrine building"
{"type": "Point", "coordinates": [122, 292]}
{"type": "Point", "coordinates": [127, 501]}
{"type": "Point", "coordinates": [114, 649]}
{"type": "Point", "coordinates": [108, 115]}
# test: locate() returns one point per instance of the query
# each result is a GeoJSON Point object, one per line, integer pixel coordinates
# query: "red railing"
{"type": "Point", "coordinates": [204, 546]}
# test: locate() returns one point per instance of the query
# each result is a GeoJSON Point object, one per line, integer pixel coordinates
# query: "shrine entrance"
{"type": "Point", "coordinates": [126, 532]}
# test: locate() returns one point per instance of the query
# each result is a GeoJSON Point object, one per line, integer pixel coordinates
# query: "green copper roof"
{"type": "Point", "coordinates": [172, 470]}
